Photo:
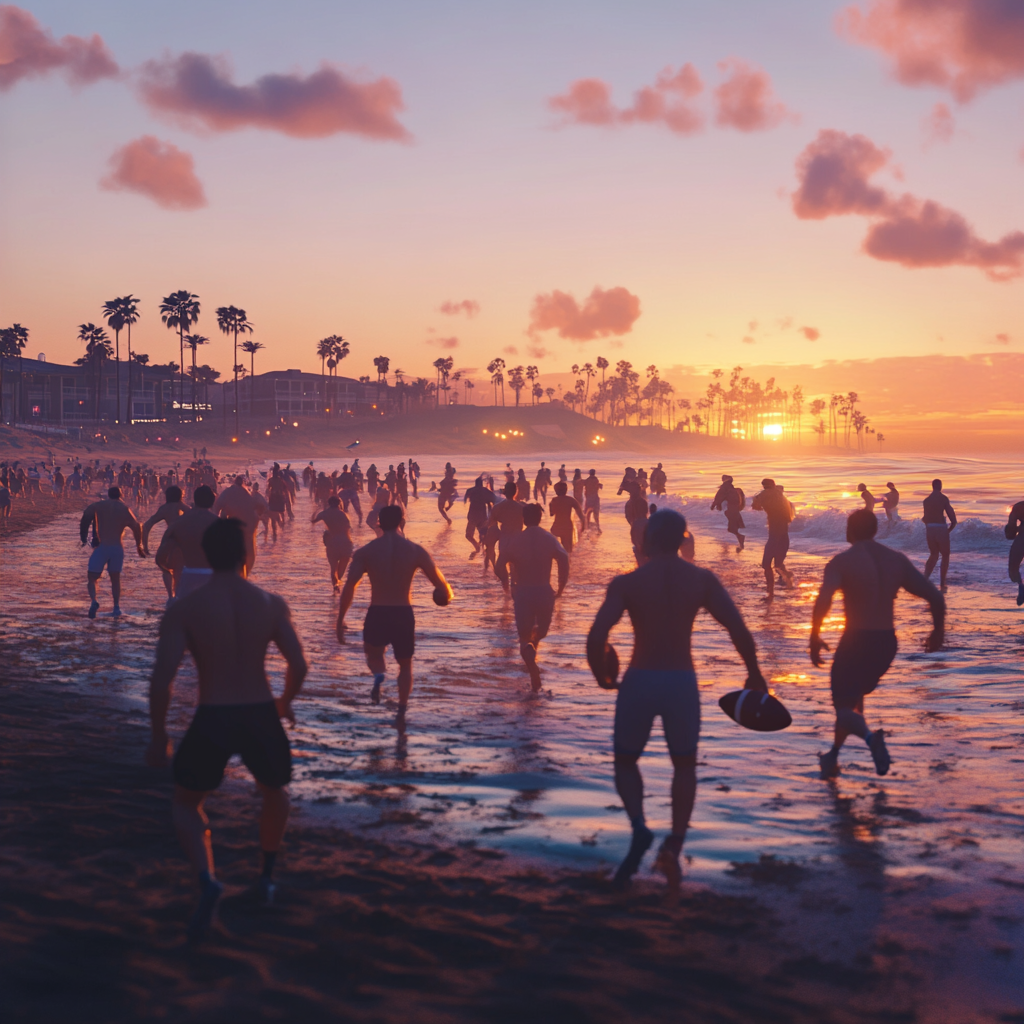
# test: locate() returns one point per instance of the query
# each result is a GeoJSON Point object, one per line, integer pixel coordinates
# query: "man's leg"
{"type": "Point", "coordinates": [471, 535]}
{"type": "Point", "coordinates": [769, 578]}
{"type": "Point", "coordinates": [629, 784]}
{"type": "Point", "coordinates": [168, 582]}
{"type": "Point", "coordinates": [273, 819]}
{"type": "Point", "coordinates": [91, 587]}
{"type": "Point", "coordinates": [404, 683]}
{"type": "Point", "coordinates": [191, 826]}
{"type": "Point", "coordinates": [944, 567]}
{"type": "Point", "coordinates": [684, 792]}
{"type": "Point", "coordinates": [933, 554]}
{"type": "Point", "coordinates": [115, 590]}
{"type": "Point", "coordinates": [376, 664]}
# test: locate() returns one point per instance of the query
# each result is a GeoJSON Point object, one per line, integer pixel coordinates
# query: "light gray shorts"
{"type": "Point", "coordinates": [644, 694]}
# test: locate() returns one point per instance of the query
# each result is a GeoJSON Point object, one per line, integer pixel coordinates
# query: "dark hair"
{"type": "Point", "coordinates": [510, 489]}
{"type": "Point", "coordinates": [861, 525]}
{"type": "Point", "coordinates": [240, 480]}
{"type": "Point", "coordinates": [892, 485]}
{"type": "Point", "coordinates": [561, 487]}
{"type": "Point", "coordinates": [936, 485]}
{"type": "Point", "coordinates": [532, 514]}
{"type": "Point", "coordinates": [767, 482]}
{"type": "Point", "coordinates": [224, 545]}
{"type": "Point", "coordinates": [114, 492]}
{"type": "Point", "coordinates": [204, 497]}
{"type": "Point", "coordinates": [173, 493]}
{"type": "Point", "coordinates": [334, 501]}
{"type": "Point", "coordinates": [390, 517]}
{"type": "Point", "coordinates": [665, 531]}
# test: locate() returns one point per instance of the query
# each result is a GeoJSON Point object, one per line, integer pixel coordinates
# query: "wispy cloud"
{"type": "Point", "coordinates": [158, 170]}
{"type": "Point", "coordinates": [746, 101]}
{"type": "Point", "coordinates": [468, 306]}
{"type": "Point", "coordinates": [604, 313]}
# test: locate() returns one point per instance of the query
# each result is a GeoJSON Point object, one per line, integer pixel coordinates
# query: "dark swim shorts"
{"type": "Point", "coordinates": [220, 730]}
{"type": "Point", "coordinates": [391, 625]}
{"type": "Point", "coordinates": [775, 550]}
{"type": "Point", "coordinates": [862, 658]}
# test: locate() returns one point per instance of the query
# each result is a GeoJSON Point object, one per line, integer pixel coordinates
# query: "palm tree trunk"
{"type": "Point", "coordinates": [181, 371]}
{"type": "Point", "coordinates": [252, 375]}
{"type": "Point", "coordinates": [117, 371]}
{"type": "Point", "coordinates": [234, 370]}
{"type": "Point", "coordinates": [130, 411]}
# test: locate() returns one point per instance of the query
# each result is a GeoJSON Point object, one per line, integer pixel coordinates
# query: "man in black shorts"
{"type": "Point", "coordinates": [227, 625]}
{"type": "Point", "coordinates": [776, 506]}
{"type": "Point", "coordinates": [936, 508]}
{"type": "Point", "coordinates": [870, 575]}
{"type": "Point", "coordinates": [1015, 532]}
{"type": "Point", "coordinates": [391, 562]}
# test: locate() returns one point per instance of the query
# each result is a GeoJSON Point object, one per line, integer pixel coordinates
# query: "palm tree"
{"type": "Point", "coordinates": [324, 348]}
{"type": "Point", "coordinates": [251, 348]}
{"type": "Point", "coordinates": [517, 381]}
{"type": "Point", "coordinates": [119, 314]}
{"type": "Point", "coordinates": [232, 320]}
{"type": "Point", "coordinates": [179, 311]}
{"type": "Point", "coordinates": [588, 369]}
{"type": "Point", "coordinates": [532, 373]}
{"type": "Point", "coordinates": [496, 368]}
{"type": "Point", "coordinates": [602, 365]}
{"type": "Point", "coordinates": [12, 340]}
{"type": "Point", "coordinates": [97, 349]}
{"type": "Point", "coordinates": [339, 351]}
{"type": "Point", "coordinates": [468, 385]}
{"type": "Point", "coordinates": [194, 341]}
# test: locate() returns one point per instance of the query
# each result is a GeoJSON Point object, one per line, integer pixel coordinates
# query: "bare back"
{"type": "Point", "coordinates": [508, 514]}
{"type": "Point", "coordinates": [235, 502]}
{"type": "Point", "coordinates": [530, 555]}
{"type": "Point", "coordinates": [228, 625]}
{"type": "Point", "coordinates": [186, 532]}
{"type": "Point", "coordinates": [562, 507]}
{"type": "Point", "coordinates": [391, 562]}
{"type": "Point", "coordinates": [112, 517]}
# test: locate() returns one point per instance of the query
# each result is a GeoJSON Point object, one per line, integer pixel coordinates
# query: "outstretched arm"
{"type": "Point", "coordinates": [136, 527]}
{"type": "Point", "coordinates": [355, 573]}
{"type": "Point", "coordinates": [720, 605]}
{"type": "Point", "coordinates": [577, 508]}
{"type": "Point", "coordinates": [426, 565]}
{"type": "Point", "coordinates": [914, 583]}
{"type": "Point", "coordinates": [318, 518]}
{"type": "Point", "coordinates": [170, 649]}
{"type": "Point", "coordinates": [86, 521]}
{"type": "Point", "coordinates": [290, 646]}
{"type": "Point", "coordinates": [148, 525]}
{"type": "Point", "coordinates": [597, 639]}
{"type": "Point", "coordinates": [829, 585]}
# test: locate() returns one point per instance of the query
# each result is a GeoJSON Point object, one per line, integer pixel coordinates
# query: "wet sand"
{"type": "Point", "coordinates": [462, 873]}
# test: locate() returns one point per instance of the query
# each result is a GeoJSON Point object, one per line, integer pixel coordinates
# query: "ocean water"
{"type": "Point", "coordinates": [485, 764]}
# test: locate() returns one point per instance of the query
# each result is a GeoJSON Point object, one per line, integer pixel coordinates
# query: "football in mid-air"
{"type": "Point", "coordinates": [756, 710]}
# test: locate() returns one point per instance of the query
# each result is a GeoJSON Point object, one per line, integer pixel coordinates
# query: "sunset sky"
{"type": "Point", "coordinates": [684, 183]}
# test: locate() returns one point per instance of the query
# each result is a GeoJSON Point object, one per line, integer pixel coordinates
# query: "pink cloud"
{"type": "Point", "coordinates": [603, 314]}
{"type": "Point", "coordinates": [589, 101]}
{"type": "Point", "coordinates": [810, 333]}
{"type": "Point", "coordinates": [468, 306]}
{"type": "Point", "coordinates": [748, 340]}
{"type": "Point", "coordinates": [834, 171]}
{"type": "Point", "coordinates": [510, 350]}
{"type": "Point", "coordinates": [444, 342]}
{"type": "Point", "coordinates": [1003, 339]}
{"type": "Point", "coordinates": [745, 100]}
{"type": "Point", "coordinates": [538, 351]}
{"type": "Point", "coordinates": [28, 50]}
{"type": "Point", "coordinates": [158, 170]}
{"type": "Point", "coordinates": [197, 92]}
{"type": "Point", "coordinates": [963, 45]}
{"type": "Point", "coordinates": [939, 125]}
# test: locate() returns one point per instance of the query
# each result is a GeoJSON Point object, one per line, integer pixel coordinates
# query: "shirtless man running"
{"type": "Point", "coordinates": [391, 562]}
{"type": "Point", "coordinates": [166, 513]}
{"type": "Point", "coordinates": [235, 502]}
{"type": "Point", "coordinates": [561, 508]}
{"type": "Point", "coordinates": [779, 512]}
{"type": "Point", "coordinates": [184, 535]}
{"type": "Point", "coordinates": [663, 598]}
{"type": "Point", "coordinates": [529, 555]}
{"type": "Point", "coordinates": [936, 508]}
{"type": "Point", "coordinates": [481, 500]}
{"type": "Point", "coordinates": [111, 517]}
{"type": "Point", "coordinates": [337, 538]}
{"type": "Point", "coordinates": [592, 489]}
{"type": "Point", "coordinates": [1015, 532]}
{"type": "Point", "coordinates": [446, 492]}
{"type": "Point", "coordinates": [506, 521]}
{"type": "Point", "coordinates": [870, 575]}
{"type": "Point", "coordinates": [227, 625]}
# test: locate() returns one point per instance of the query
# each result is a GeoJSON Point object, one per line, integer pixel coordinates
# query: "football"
{"type": "Point", "coordinates": [611, 667]}
{"type": "Point", "coordinates": [755, 710]}
{"type": "Point", "coordinates": [441, 596]}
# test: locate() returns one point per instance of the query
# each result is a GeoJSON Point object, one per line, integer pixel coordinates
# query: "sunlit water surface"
{"type": "Point", "coordinates": [485, 763]}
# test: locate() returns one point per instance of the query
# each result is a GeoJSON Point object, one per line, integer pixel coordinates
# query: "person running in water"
{"type": "Point", "coordinates": [227, 625]}
{"type": "Point", "coordinates": [730, 500]}
{"type": "Point", "coordinates": [506, 521]}
{"type": "Point", "coordinates": [480, 499]}
{"type": "Point", "coordinates": [391, 562]}
{"type": "Point", "coordinates": [592, 490]}
{"type": "Point", "coordinates": [529, 555]}
{"type": "Point", "coordinates": [446, 492]}
{"type": "Point", "coordinates": [779, 511]}
{"type": "Point", "coordinates": [658, 480]}
{"type": "Point", "coordinates": [663, 597]}
{"type": "Point", "coordinates": [577, 486]}
{"type": "Point", "coordinates": [414, 478]}
{"type": "Point", "coordinates": [182, 543]}
{"type": "Point", "coordinates": [348, 492]}
{"type": "Point", "coordinates": [381, 501]}
{"type": "Point", "coordinates": [541, 484]}
{"type": "Point", "coordinates": [109, 518]}
{"type": "Point", "coordinates": [522, 486]}
{"type": "Point", "coordinates": [235, 502]}
{"type": "Point", "coordinates": [890, 502]}
{"type": "Point", "coordinates": [1015, 531]}
{"type": "Point", "coordinates": [870, 576]}
{"type": "Point", "coordinates": [936, 508]}
{"type": "Point", "coordinates": [171, 509]}
{"type": "Point", "coordinates": [870, 501]}
{"type": "Point", "coordinates": [337, 538]}
{"type": "Point", "coordinates": [561, 509]}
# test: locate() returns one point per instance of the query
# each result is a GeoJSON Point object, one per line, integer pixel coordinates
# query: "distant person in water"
{"type": "Point", "coordinates": [391, 562]}
{"type": "Point", "coordinates": [541, 484]}
{"type": "Point", "coordinates": [506, 521]}
{"type": "Point", "coordinates": [480, 500]}
{"type": "Point", "coordinates": [936, 508]}
{"type": "Point", "coordinates": [236, 502]}
{"type": "Point", "coordinates": [638, 530]}
{"type": "Point", "coordinates": [172, 507]}
{"type": "Point", "coordinates": [522, 486]}
{"type": "Point", "coordinates": [730, 500]}
{"type": "Point", "coordinates": [890, 502]}
{"type": "Point", "coordinates": [1015, 532]}
{"type": "Point", "coordinates": [779, 511]}
{"type": "Point", "coordinates": [227, 626]}
{"type": "Point", "coordinates": [337, 539]}
{"type": "Point", "coordinates": [562, 508]}
{"type": "Point", "coordinates": [663, 598]}
{"type": "Point", "coordinates": [446, 492]}
{"type": "Point", "coordinates": [592, 490]}
{"type": "Point", "coordinates": [182, 543]}
{"type": "Point", "coordinates": [870, 576]}
{"type": "Point", "coordinates": [869, 499]}
{"type": "Point", "coordinates": [109, 518]}
{"type": "Point", "coordinates": [658, 480]}
{"type": "Point", "coordinates": [524, 564]}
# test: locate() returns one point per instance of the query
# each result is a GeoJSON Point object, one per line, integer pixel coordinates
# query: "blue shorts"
{"type": "Point", "coordinates": [645, 694]}
{"type": "Point", "coordinates": [109, 555]}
